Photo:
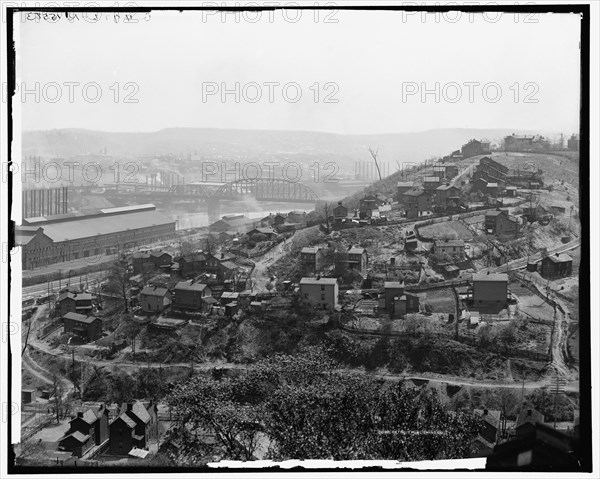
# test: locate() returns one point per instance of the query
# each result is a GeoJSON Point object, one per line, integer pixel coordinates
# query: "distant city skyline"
{"type": "Point", "coordinates": [372, 72]}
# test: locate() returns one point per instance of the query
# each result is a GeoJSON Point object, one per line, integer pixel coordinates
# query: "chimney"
{"type": "Point", "coordinates": [557, 255]}
{"type": "Point", "coordinates": [129, 406]}
{"type": "Point", "coordinates": [529, 412]}
{"type": "Point", "coordinates": [340, 203]}
{"type": "Point", "coordinates": [79, 414]}
{"type": "Point", "coordinates": [318, 277]}
{"type": "Point", "coordinates": [222, 255]}
{"type": "Point", "coordinates": [485, 412]}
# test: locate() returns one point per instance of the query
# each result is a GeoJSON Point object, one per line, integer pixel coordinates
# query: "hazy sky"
{"type": "Point", "coordinates": [375, 64]}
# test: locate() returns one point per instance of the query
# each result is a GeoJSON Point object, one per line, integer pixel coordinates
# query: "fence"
{"type": "Point", "coordinates": [49, 328]}
{"type": "Point", "coordinates": [469, 338]}
{"type": "Point", "coordinates": [441, 284]}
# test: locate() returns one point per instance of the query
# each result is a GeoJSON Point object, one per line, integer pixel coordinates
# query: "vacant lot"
{"type": "Point", "coordinates": [440, 300]}
{"type": "Point", "coordinates": [446, 230]}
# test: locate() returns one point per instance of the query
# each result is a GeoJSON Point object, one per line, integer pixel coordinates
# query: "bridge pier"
{"type": "Point", "coordinates": [214, 210]}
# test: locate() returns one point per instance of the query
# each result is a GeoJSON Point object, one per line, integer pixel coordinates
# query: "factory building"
{"type": "Point", "coordinates": [69, 237]}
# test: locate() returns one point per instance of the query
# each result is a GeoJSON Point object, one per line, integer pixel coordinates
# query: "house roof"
{"type": "Point", "coordinates": [529, 416]}
{"type": "Point", "coordinates": [313, 250]}
{"type": "Point", "coordinates": [404, 184]}
{"type": "Point", "coordinates": [158, 254]}
{"type": "Point", "coordinates": [318, 281]}
{"type": "Point", "coordinates": [229, 265]}
{"type": "Point", "coordinates": [495, 213]}
{"type": "Point", "coordinates": [492, 185]}
{"type": "Point", "coordinates": [414, 193]}
{"type": "Point", "coordinates": [393, 284]}
{"type": "Point", "coordinates": [490, 277]}
{"type": "Point", "coordinates": [140, 411]}
{"type": "Point", "coordinates": [79, 437]}
{"type": "Point", "coordinates": [89, 417]}
{"type": "Point", "coordinates": [356, 251]}
{"type": "Point", "coordinates": [76, 296]}
{"type": "Point", "coordinates": [431, 179]}
{"type": "Point", "coordinates": [445, 187]}
{"type": "Point", "coordinates": [189, 286]}
{"type": "Point", "coordinates": [492, 417]}
{"type": "Point", "coordinates": [451, 242]}
{"type": "Point", "coordinates": [559, 258]}
{"type": "Point", "coordinates": [230, 295]}
{"type": "Point", "coordinates": [127, 420]}
{"type": "Point", "coordinates": [209, 300]}
{"type": "Point", "coordinates": [265, 231]}
{"type": "Point", "coordinates": [81, 318]}
{"type": "Point", "coordinates": [154, 291]}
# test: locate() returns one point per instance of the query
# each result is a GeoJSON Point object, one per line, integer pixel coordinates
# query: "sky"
{"type": "Point", "coordinates": [347, 72]}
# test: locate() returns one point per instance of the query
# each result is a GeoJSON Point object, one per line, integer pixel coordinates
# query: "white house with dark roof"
{"type": "Point", "coordinates": [321, 292]}
{"type": "Point", "coordinates": [448, 249]}
{"type": "Point", "coordinates": [154, 299]}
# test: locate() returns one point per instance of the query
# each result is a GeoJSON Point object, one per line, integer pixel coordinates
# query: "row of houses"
{"type": "Point", "coordinates": [240, 224]}
{"type": "Point", "coordinates": [323, 293]}
{"type": "Point", "coordinates": [123, 429]}
{"type": "Point", "coordinates": [312, 260]}
{"type": "Point", "coordinates": [421, 202]}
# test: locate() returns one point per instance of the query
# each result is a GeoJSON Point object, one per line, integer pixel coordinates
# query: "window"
{"type": "Point", "coordinates": [323, 296]}
{"type": "Point", "coordinates": [322, 288]}
{"type": "Point", "coordinates": [305, 295]}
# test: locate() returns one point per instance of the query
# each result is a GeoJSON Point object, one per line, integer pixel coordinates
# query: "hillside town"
{"type": "Point", "coordinates": [298, 237]}
{"type": "Point", "coordinates": [453, 275]}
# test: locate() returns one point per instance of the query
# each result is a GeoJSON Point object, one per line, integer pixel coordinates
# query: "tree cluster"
{"type": "Point", "coordinates": [306, 407]}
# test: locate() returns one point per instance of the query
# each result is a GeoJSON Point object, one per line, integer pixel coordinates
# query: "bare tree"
{"type": "Point", "coordinates": [57, 392]}
{"type": "Point", "coordinates": [328, 212]}
{"type": "Point", "coordinates": [374, 154]}
{"type": "Point", "coordinates": [119, 283]}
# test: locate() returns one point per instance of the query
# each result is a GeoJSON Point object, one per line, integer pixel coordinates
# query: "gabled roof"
{"type": "Point", "coordinates": [431, 179]}
{"type": "Point", "coordinates": [89, 417]}
{"type": "Point", "coordinates": [154, 291]}
{"type": "Point", "coordinates": [141, 412]}
{"type": "Point", "coordinates": [559, 258]}
{"type": "Point", "coordinates": [404, 184]}
{"type": "Point", "coordinates": [228, 265]}
{"type": "Point", "coordinates": [495, 213]}
{"type": "Point", "coordinates": [393, 284]}
{"type": "Point", "coordinates": [490, 277]}
{"type": "Point", "coordinates": [492, 417]}
{"type": "Point", "coordinates": [76, 296]}
{"type": "Point", "coordinates": [79, 437]}
{"type": "Point", "coordinates": [265, 231]}
{"type": "Point", "coordinates": [529, 415]}
{"type": "Point", "coordinates": [81, 318]}
{"type": "Point", "coordinates": [158, 254]}
{"type": "Point", "coordinates": [189, 286]}
{"type": "Point", "coordinates": [356, 251]}
{"type": "Point", "coordinates": [126, 419]}
{"type": "Point", "coordinates": [318, 281]}
{"type": "Point", "coordinates": [414, 193]}
{"type": "Point", "coordinates": [446, 187]}
{"type": "Point", "coordinates": [309, 250]}
{"type": "Point", "coordinates": [452, 242]}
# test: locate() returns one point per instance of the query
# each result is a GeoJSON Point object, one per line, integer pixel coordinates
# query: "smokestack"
{"type": "Point", "coordinates": [129, 406]}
